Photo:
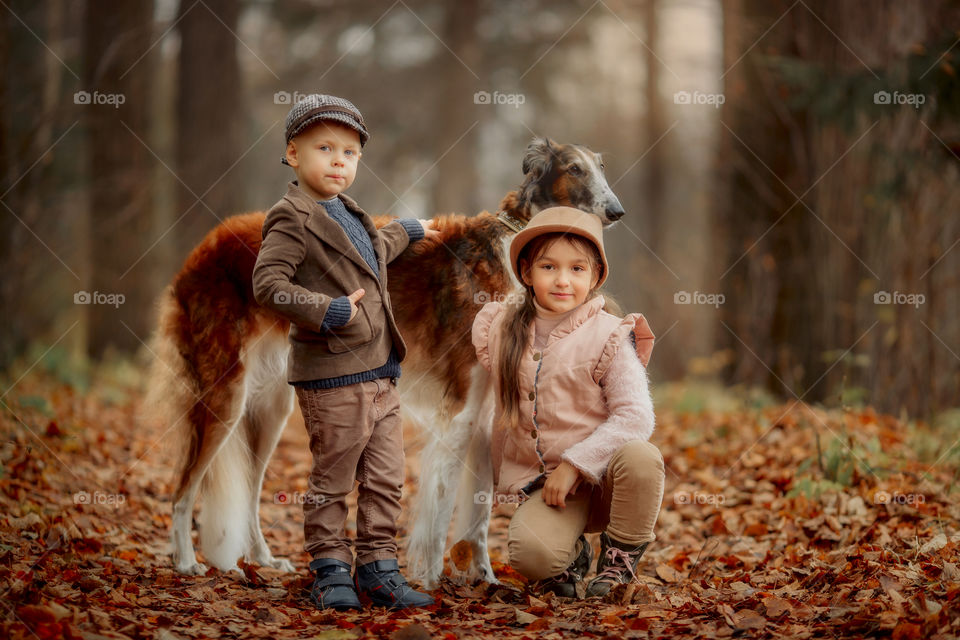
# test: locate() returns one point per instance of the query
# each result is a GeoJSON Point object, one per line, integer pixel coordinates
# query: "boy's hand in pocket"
{"type": "Point", "coordinates": [354, 298]}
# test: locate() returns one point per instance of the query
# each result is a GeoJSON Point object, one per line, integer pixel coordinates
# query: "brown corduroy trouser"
{"type": "Point", "coordinates": [355, 435]}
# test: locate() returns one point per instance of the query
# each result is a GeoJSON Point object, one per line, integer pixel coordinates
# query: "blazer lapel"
{"type": "Point", "coordinates": [328, 230]}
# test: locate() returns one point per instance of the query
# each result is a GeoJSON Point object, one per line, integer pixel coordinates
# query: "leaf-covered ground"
{"type": "Point", "coordinates": [783, 521]}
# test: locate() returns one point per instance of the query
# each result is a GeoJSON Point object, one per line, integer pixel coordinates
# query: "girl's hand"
{"type": "Point", "coordinates": [563, 481]}
{"type": "Point", "coordinates": [428, 229]}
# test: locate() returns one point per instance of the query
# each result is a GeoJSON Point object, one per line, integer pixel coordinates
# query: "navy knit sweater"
{"type": "Point", "coordinates": [338, 313]}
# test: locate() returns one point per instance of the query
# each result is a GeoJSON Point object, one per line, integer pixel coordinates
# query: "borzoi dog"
{"type": "Point", "coordinates": [219, 376]}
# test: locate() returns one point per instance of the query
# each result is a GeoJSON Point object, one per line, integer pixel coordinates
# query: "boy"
{"type": "Point", "coordinates": [322, 264]}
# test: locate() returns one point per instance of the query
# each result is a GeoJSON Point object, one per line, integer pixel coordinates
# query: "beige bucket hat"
{"type": "Point", "coordinates": [563, 220]}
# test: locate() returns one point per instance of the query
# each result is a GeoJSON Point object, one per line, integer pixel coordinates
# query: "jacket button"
{"type": "Point", "coordinates": [533, 433]}
{"type": "Point", "coordinates": [536, 356]}
{"type": "Point", "coordinates": [542, 468]}
{"type": "Point", "coordinates": [532, 396]}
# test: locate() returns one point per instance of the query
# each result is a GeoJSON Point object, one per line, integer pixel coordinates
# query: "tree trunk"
{"type": "Point", "coordinates": [38, 140]}
{"type": "Point", "coordinates": [768, 310]}
{"type": "Point", "coordinates": [655, 159]}
{"type": "Point", "coordinates": [455, 186]}
{"type": "Point", "coordinates": [118, 76]}
{"type": "Point", "coordinates": [209, 118]}
{"type": "Point", "coordinates": [877, 197]}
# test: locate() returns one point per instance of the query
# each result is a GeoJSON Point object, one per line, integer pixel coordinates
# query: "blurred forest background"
{"type": "Point", "coordinates": [763, 171]}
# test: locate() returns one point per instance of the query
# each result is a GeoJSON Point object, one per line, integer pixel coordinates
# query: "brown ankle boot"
{"type": "Point", "coordinates": [617, 564]}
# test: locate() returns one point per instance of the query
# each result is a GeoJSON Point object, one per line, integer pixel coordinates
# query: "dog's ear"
{"type": "Point", "coordinates": [538, 158]}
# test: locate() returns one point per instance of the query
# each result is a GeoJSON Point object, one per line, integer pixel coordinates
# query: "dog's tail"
{"type": "Point", "coordinates": [172, 388]}
{"type": "Point", "coordinates": [225, 512]}
{"type": "Point", "coordinates": [176, 400]}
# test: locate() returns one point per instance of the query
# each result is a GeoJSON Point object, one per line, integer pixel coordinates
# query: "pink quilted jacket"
{"type": "Point", "coordinates": [570, 408]}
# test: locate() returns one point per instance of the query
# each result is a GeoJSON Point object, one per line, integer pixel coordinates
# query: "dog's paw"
{"type": "Point", "coordinates": [460, 577]}
{"type": "Point", "coordinates": [486, 575]}
{"type": "Point", "coordinates": [429, 578]}
{"type": "Point", "coordinates": [261, 555]}
{"type": "Point", "coordinates": [478, 571]}
{"type": "Point", "coordinates": [281, 564]}
{"type": "Point", "coordinates": [426, 584]}
{"type": "Point", "coordinates": [192, 569]}
{"type": "Point", "coordinates": [473, 576]}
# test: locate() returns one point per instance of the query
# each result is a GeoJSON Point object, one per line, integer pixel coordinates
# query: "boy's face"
{"type": "Point", "coordinates": [325, 158]}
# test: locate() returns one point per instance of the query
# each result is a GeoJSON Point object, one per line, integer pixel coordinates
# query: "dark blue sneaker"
{"type": "Point", "coordinates": [381, 581]}
{"type": "Point", "coordinates": [332, 587]}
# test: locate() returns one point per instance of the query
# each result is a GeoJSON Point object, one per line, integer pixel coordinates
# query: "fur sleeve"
{"type": "Point", "coordinates": [630, 406]}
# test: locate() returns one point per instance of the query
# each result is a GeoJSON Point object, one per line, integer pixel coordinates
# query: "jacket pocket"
{"type": "Point", "coordinates": [355, 333]}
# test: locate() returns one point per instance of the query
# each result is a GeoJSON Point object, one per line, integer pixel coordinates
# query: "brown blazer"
{"type": "Point", "coordinates": [306, 260]}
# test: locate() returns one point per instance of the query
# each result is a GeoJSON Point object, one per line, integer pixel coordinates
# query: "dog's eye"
{"type": "Point", "coordinates": [574, 170]}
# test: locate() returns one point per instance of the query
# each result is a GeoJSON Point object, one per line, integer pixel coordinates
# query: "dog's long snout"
{"type": "Point", "coordinates": [614, 210]}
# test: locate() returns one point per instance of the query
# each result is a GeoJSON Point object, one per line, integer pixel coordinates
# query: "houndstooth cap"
{"type": "Point", "coordinates": [318, 106]}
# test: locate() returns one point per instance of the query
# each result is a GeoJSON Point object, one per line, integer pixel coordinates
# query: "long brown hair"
{"type": "Point", "coordinates": [516, 321]}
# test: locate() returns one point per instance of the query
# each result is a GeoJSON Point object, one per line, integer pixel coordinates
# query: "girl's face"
{"type": "Point", "coordinates": [561, 277]}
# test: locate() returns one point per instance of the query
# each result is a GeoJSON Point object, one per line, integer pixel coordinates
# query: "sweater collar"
{"type": "Point", "coordinates": [329, 230]}
{"type": "Point", "coordinates": [305, 203]}
{"type": "Point", "coordinates": [546, 314]}
{"type": "Point", "coordinates": [572, 320]}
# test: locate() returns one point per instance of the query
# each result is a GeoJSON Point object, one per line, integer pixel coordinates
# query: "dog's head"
{"type": "Point", "coordinates": [568, 175]}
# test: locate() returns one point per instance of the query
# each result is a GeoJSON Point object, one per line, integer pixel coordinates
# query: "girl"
{"type": "Point", "coordinates": [573, 412]}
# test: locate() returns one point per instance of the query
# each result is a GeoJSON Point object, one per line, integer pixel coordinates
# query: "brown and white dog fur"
{"type": "Point", "coordinates": [218, 382]}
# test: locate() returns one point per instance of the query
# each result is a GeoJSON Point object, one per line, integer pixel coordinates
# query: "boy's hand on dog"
{"type": "Point", "coordinates": [562, 482]}
{"type": "Point", "coordinates": [428, 229]}
{"type": "Point", "coordinates": [353, 298]}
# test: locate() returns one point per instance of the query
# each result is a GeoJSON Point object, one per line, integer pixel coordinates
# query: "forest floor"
{"type": "Point", "coordinates": [778, 521]}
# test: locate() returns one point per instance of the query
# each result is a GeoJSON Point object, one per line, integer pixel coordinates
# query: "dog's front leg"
{"type": "Point", "coordinates": [475, 499]}
{"type": "Point", "coordinates": [184, 556]}
{"type": "Point", "coordinates": [442, 462]}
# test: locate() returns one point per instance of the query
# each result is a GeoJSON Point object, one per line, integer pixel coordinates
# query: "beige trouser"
{"type": "Point", "coordinates": [542, 539]}
{"type": "Point", "coordinates": [355, 435]}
